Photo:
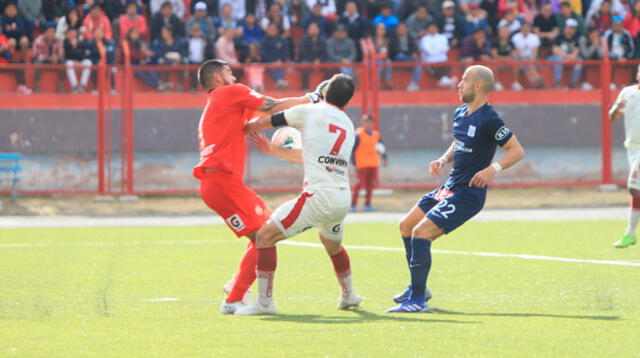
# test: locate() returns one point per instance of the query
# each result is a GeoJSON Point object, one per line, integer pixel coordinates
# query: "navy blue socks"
{"type": "Point", "coordinates": [419, 266]}
{"type": "Point", "coordinates": [407, 248]}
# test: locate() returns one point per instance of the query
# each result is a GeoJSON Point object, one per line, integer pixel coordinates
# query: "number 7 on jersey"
{"type": "Point", "coordinates": [342, 134]}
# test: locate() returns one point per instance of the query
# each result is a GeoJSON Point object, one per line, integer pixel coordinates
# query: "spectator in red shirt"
{"type": "Point", "coordinates": [632, 24]}
{"type": "Point", "coordinates": [603, 19]}
{"type": "Point", "coordinates": [132, 19]}
{"type": "Point", "coordinates": [96, 19]}
{"type": "Point", "coordinates": [47, 49]}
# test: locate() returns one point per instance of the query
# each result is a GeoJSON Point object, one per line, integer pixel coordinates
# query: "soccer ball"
{"type": "Point", "coordinates": [287, 137]}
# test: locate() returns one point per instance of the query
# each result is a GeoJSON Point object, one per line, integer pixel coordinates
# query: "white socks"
{"type": "Point", "coordinates": [346, 284]}
{"type": "Point", "coordinates": [265, 287]}
{"type": "Point", "coordinates": [634, 217]}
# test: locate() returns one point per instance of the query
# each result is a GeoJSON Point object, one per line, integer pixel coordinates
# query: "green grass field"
{"type": "Point", "coordinates": [82, 292]}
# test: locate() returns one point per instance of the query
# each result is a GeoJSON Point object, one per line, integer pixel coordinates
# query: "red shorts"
{"type": "Point", "coordinates": [240, 207]}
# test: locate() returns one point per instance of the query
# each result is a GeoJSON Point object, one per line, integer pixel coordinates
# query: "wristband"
{"type": "Point", "coordinates": [497, 167]}
{"type": "Point", "coordinates": [444, 159]}
{"type": "Point", "coordinates": [278, 120]}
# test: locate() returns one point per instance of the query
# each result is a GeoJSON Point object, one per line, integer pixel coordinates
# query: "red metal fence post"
{"type": "Point", "coordinates": [605, 80]}
{"type": "Point", "coordinates": [101, 125]}
{"type": "Point", "coordinates": [127, 121]}
{"type": "Point", "coordinates": [375, 84]}
{"type": "Point", "coordinates": [364, 76]}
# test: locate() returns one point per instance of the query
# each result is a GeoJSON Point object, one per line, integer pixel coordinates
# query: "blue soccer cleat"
{"type": "Point", "coordinates": [353, 209]}
{"type": "Point", "coordinates": [411, 306]}
{"type": "Point", "coordinates": [369, 208]}
{"type": "Point", "coordinates": [402, 297]}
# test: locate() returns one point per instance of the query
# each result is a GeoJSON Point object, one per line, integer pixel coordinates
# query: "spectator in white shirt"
{"type": "Point", "coordinates": [434, 48]}
{"type": "Point", "coordinates": [526, 45]}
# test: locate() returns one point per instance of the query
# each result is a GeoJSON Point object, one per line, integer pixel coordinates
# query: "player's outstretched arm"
{"type": "Point", "coordinates": [272, 105]}
{"type": "Point", "coordinates": [616, 111]}
{"type": "Point", "coordinates": [258, 124]}
{"type": "Point", "coordinates": [514, 153]}
{"type": "Point", "coordinates": [265, 145]}
{"type": "Point", "coordinates": [437, 165]}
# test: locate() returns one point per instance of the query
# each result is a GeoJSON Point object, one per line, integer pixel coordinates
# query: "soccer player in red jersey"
{"type": "Point", "coordinates": [221, 141]}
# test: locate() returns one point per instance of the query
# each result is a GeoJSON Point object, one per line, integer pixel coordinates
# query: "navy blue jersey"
{"type": "Point", "coordinates": [476, 137]}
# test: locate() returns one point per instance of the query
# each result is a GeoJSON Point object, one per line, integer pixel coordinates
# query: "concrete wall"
{"type": "Point", "coordinates": [59, 146]}
{"type": "Point", "coordinates": [406, 127]}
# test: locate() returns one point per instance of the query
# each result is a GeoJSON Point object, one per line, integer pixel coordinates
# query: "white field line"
{"type": "Point", "coordinates": [469, 253]}
{"type": "Point", "coordinates": [309, 244]}
{"type": "Point", "coordinates": [115, 244]}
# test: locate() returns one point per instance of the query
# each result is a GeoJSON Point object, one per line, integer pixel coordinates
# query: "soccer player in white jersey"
{"type": "Point", "coordinates": [328, 138]}
{"type": "Point", "coordinates": [627, 106]}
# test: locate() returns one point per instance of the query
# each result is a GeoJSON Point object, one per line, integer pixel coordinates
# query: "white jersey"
{"type": "Point", "coordinates": [631, 115]}
{"type": "Point", "coordinates": [327, 141]}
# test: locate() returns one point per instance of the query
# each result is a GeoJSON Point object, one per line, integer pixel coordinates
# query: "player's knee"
{"type": "Point", "coordinates": [426, 231]}
{"type": "Point", "coordinates": [405, 227]}
{"type": "Point", "coordinates": [267, 236]}
{"type": "Point", "coordinates": [634, 192]}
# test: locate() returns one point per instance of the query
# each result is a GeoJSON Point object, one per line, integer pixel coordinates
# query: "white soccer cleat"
{"type": "Point", "coordinates": [350, 301]}
{"type": "Point", "coordinates": [227, 286]}
{"type": "Point", "coordinates": [246, 299]}
{"type": "Point", "coordinates": [230, 307]}
{"type": "Point", "coordinates": [255, 308]}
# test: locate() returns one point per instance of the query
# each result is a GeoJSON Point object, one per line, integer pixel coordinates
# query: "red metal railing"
{"type": "Point", "coordinates": [370, 96]}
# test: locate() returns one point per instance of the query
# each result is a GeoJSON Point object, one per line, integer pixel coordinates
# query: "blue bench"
{"type": "Point", "coordinates": [10, 165]}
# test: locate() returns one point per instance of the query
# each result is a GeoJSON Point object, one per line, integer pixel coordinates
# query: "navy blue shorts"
{"type": "Point", "coordinates": [449, 208]}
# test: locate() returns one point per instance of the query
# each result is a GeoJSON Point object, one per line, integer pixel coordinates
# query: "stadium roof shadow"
{"type": "Point", "coordinates": [546, 315]}
{"type": "Point", "coordinates": [362, 317]}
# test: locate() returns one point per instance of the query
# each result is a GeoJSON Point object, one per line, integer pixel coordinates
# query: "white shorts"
{"type": "Point", "coordinates": [633, 155]}
{"type": "Point", "coordinates": [324, 208]}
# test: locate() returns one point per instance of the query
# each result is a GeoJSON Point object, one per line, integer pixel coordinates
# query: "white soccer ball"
{"type": "Point", "coordinates": [287, 137]}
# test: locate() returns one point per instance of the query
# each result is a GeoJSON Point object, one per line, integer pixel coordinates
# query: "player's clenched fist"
{"type": "Point", "coordinates": [435, 167]}
{"type": "Point", "coordinates": [483, 177]}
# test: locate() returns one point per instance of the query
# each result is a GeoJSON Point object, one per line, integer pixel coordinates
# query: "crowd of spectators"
{"type": "Point", "coordinates": [250, 33]}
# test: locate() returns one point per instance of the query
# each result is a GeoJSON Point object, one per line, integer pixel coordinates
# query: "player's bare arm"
{"type": "Point", "coordinates": [437, 165]}
{"type": "Point", "coordinates": [616, 111]}
{"type": "Point", "coordinates": [272, 105]}
{"type": "Point", "coordinates": [258, 124]}
{"type": "Point", "coordinates": [265, 145]}
{"type": "Point", "coordinates": [514, 153]}
{"type": "Point", "coordinates": [265, 122]}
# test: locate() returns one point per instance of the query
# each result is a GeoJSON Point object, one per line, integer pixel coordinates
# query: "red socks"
{"type": "Point", "coordinates": [267, 259]}
{"type": "Point", "coordinates": [341, 263]}
{"type": "Point", "coordinates": [635, 203]}
{"type": "Point", "coordinates": [246, 273]}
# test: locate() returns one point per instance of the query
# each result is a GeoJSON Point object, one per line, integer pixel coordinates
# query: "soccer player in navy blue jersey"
{"type": "Point", "coordinates": [477, 131]}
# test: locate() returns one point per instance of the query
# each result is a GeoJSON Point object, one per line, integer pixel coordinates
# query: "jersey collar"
{"type": "Point", "coordinates": [338, 107]}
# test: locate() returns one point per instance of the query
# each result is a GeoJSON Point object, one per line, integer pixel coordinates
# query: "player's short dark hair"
{"type": "Point", "coordinates": [209, 68]}
{"type": "Point", "coordinates": [340, 90]}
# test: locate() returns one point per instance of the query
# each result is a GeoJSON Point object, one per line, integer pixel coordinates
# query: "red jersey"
{"type": "Point", "coordinates": [221, 138]}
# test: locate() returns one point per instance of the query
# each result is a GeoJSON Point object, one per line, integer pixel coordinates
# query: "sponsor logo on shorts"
{"type": "Point", "coordinates": [259, 210]}
{"type": "Point", "coordinates": [502, 133]}
{"type": "Point", "coordinates": [235, 222]}
{"type": "Point", "coordinates": [336, 229]}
